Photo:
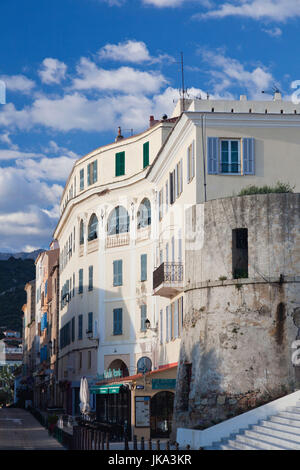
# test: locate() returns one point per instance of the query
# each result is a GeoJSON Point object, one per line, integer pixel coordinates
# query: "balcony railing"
{"type": "Point", "coordinates": [119, 239]}
{"type": "Point", "coordinates": [168, 279]}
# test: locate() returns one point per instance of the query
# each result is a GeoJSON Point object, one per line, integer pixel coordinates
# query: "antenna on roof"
{"type": "Point", "coordinates": [183, 90]}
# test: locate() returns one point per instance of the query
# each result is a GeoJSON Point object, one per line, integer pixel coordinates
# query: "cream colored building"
{"type": "Point", "coordinates": [119, 265]}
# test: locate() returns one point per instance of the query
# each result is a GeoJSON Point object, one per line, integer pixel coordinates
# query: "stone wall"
{"type": "Point", "coordinates": [238, 333]}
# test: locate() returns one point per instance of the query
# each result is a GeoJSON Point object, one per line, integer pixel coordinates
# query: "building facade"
{"type": "Point", "coordinates": [123, 241]}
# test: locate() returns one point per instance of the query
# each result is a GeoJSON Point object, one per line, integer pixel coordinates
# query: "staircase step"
{"type": "Point", "coordinates": [277, 441]}
{"type": "Point", "coordinates": [284, 420]}
{"type": "Point", "coordinates": [286, 434]}
{"type": "Point", "coordinates": [290, 415]}
{"type": "Point", "coordinates": [288, 427]}
{"type": "Point", "coordinates": [294, 409]}
{"type": "Point", "coordinates": [241, 445]}
{"type": "Point", "coordinates": [258, 443]}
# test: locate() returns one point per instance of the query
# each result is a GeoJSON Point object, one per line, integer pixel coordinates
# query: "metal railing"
{"type": "Point", "coordinates": [168, 272]}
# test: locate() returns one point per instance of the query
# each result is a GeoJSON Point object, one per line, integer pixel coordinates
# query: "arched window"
{"type": "Point", "coordinates": [93, 228]}
{"type": "Point", "coordinates": [144, 214]}
{"type": "Point", "coordinates": [118, 221]}
{"type": "Point", "coordinates": [81, 233]}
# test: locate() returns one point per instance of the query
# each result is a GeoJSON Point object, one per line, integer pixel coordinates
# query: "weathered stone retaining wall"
{"type": "Point", "coordinates": [238, 333]}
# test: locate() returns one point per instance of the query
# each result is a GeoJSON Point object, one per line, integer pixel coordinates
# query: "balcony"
{"type": "Point", "coordinates": [119, 239]}
{"type": "Point", "coordinates": [168, 280]}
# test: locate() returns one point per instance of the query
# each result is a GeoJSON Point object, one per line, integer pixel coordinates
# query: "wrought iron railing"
{"type": "Point", "coordinates": [167, 272]}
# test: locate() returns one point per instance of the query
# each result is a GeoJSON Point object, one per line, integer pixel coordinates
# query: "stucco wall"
{"type": "Point", "coordinates": [238, 333]}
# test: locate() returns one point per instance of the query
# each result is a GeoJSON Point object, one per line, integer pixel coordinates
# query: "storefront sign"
{"type": "Point", "coordinates": [142, 412]}
{"type": "Point", "coordinates": [110, 374]}
{"type": "Point", "coordinates": [163, 384]}
{"type": "Point", "coordinates": [102, 390]}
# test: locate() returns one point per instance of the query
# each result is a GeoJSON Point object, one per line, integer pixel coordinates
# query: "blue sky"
{"type": "Point", "coordinates": [75, 70]}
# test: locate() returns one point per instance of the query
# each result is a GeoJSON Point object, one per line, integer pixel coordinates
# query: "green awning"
{"type": "Point", "coordinates": [104, 389]}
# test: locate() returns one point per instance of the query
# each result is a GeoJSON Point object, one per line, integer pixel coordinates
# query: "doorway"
{"type": "Point", "coordinates": [161, 412]}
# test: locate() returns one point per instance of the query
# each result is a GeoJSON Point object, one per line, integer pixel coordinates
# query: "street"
{"type": "Point", "coordinates": [19, 430]}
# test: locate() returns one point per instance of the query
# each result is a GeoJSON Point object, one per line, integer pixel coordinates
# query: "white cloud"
{"type": "Point", "coordinates": [114, 3]}
{"type": "Point", "coordinates": [53, 71]}
{"type": "Point", "coordinates": [8, 154]}
{"type": "Point", "coordinates": [131, 51]}
{"type": "Point", "coordinates": [49, 169]}
{"type": "Point", "coordinates": [228, 73]}
{"type": "Point", "coordinates": [274, 33]}
{"type": "Point", "coordinates": [18, 83]}
{"type": "Point", "coordinates": [275, 10]}
{"type": "Point", "coordinates": [5, 138]}
{"type": "Point", "coordinates": [123, 79]}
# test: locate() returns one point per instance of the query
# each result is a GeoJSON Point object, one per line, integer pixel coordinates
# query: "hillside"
{"type": "Point", "coordinates": [22, 255]}
{"type": "Point", "coordinates": [14, 273]}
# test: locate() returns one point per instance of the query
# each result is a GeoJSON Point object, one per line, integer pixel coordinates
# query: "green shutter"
{"type": "Point", "coordinates": [145, 154]}
{"type": "Point", "coordinates": [120, 163]}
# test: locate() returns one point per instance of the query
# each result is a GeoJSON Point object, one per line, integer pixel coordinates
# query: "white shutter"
{"type": "Point", "coordinates": [212, 155]}
{"type": "Point", "coordinates": [193, 159]}
{"type": "Point", "coordinates": [248, 156]}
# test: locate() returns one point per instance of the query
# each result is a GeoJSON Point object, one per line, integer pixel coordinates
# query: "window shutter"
{"type": "Point", "coordinates": [188, 166]}
{"type": "Point", "coordinates": [212, 155]}
{"type": "Point", "coordinates": [167, 323]}
{"type": "Point", "coordinates": [120, 163]}
{"type": "Point", "coordinates": [176, 320]}
{"type": "Point", "coordinates": [143, 267]}
{"type": "Point", "coordinates": [145, 154]}
{"type": "Point", "coordinates": [176, 181]}
{"type": "Point", "coordinates": [181, 177]}
{"type": "Point", "coordinates": [143, 317]}
{"type": "Point", "coordinates": [117, 321]}
{"type": "Point", "coordinates": [89, 174]}
{"type": "Point", "coordinates": [95, 171]}
{"type": "Point", "coordinates": [193, 159]}
{"type": "Point", "coordinates": [248, 156]}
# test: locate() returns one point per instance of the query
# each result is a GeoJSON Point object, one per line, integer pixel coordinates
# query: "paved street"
{"type": "Point", "coordinates": [19, 430]}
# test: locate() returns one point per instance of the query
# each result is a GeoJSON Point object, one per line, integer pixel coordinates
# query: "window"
{"type": "Point", "coordinates": [80, 327]}
{"type": "Point", "coordinates": [80, 286]}
{"type": "Point", "coordinates": [190, 163]}
{"type": "Point", "coordinates": [118, 320]}
{"type": "Point", "coordinates": [120, 163]}
{"type": "Point", "coordinates": [144, 214]}
{"type": "Point", "coordinates": [92, 175]}
{"type": "Point", "coordinates": [73, 284]}
{"type": "Point", "coordinates": [144, 267]}
{"type": "Point", "coordinates": [90, 322]}
{"type": "Point", "coordinates": [80, 360]}
{"type": "Point", "coordinates": [118, 221]}
{"type": "Point", "coordinates": [89, 359]}
{"type": "Point", "coordinates": [224, 156]}
{"type": "Point", "coordinates": [145, 154]}
{"type": "Point", "coordinates": [93, 228]}
{"type": "Point", "coordinates": [240, 253]}
{"type": "Point", "coordinates": [81, 179]}
{"type": "Point", "coordinates": [81, 235]}
{"type": "Point", "coordinates": [178, 179]}
{"type": "Point", "coordinates": [230, 156]}
{"type": "Point", "coordinates": [118, 271]}
{"type": "Point", "coordinates": [143, 317]}
{"type": "Point", "coordinates": [91, 269]}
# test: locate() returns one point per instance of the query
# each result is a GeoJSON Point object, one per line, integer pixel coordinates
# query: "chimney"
{"type": "Point", "coordinates": [243, 97]}
{"type": "Point", "coordinates": [119, 136]}
{"type": "Point", "coordinates": [277, 96]}
{"type": "Point", "coordinates": [151, 121]}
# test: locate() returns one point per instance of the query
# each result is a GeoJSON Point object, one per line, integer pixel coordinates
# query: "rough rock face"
{"type": "Point", "coordinates": [237, 344]}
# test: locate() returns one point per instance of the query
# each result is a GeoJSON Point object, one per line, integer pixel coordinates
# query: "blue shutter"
{"type": "Point", "coordinates": [95, 172]}
{"type": "Point", "coordinates": [117, 264]}
{"type": "Point", "coordinates": [143, 267]}
{"type": "Point", "coordinates": [90, 321]}
{"type": "Point", "coordinates": [143, 317]}
{"type": "Point", "coordinates": [248, 156]}
{"type": "Point", "coordinates": [212, 155]}
{"type": "Point", "coordinates": [117, 321]}
{"type": "Point", "coordinates": [89, 174]}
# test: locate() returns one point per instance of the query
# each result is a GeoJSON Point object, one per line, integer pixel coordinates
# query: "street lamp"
{"type": "Point", "coordinates": [148, 325]}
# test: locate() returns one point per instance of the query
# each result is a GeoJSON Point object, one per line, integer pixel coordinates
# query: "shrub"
{"type": "Point", "coordinates": [278, 188]}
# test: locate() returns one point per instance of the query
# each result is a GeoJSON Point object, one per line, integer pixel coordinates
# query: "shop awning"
{"type": "Point", "coordinates": [104, 389]}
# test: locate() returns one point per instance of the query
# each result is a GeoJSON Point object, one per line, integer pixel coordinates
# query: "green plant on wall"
{"type": "Point", "coordinates": [278, 188]}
